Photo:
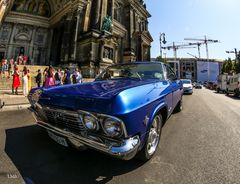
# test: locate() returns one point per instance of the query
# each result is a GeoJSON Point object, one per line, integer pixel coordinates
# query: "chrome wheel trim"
{"type": "Point", "coordinates": [154, 135]}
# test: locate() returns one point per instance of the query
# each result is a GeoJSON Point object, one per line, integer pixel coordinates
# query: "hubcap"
{"type": "Point", "coordinates": [154, 135]}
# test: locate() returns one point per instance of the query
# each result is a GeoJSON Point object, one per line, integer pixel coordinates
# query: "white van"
{"type": "Point", "coordinates": [222, 83]}
{"type": "Point", "coordinates": [233, 85]}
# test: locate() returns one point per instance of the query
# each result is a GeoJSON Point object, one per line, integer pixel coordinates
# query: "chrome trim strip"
{"type": "Point", "coordinates": [126, 151]}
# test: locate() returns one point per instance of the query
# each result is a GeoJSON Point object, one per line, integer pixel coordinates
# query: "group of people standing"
{"type": "Point", "coordinates": [50, 77]}
{"type": "Point", "coordinates": [26, 81]}
{"type": "Point", "coordinates": [6, 68]}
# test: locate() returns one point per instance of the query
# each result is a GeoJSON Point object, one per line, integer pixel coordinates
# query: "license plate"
{"type": "Point", "coordinates": [60, 140]}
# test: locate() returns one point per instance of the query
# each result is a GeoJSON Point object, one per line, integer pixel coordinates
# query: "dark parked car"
{"type": "Point", "coordinates": [121, 113]}
{"type": "Point", "coordinates": [198, 86]}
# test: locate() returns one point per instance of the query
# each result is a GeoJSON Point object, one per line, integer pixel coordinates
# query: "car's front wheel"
{"type": "Point", "coordinates": [153, 139]}
{"type": "Point", "coordinates": [179, 107]}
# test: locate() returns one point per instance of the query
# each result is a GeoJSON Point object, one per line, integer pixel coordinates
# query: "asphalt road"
{"type": "Point", "coordinates": [200, 145]}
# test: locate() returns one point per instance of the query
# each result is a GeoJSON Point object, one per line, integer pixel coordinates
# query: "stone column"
{"type": "Point", "coordinates": [49, 47]}
{"type": "Point", "coordinates": [87, 16]}
{"type": "Point", "coordinates": [10, 43]}
{"type": "Point", "coordinates": [116, 55]}
{"type": "Point", "coordinates": [96, 16]}
{"type": "Point", "coordinates": [32, 44]}
{"type": "Point", "coordinates": [73, 56]}
{"type": "Point", "coordinates": [103, 12]}
{"type": "Point", "coordinates": [101, 48]}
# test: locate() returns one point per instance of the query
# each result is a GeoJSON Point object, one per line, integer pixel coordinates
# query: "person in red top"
{"type": "Point", "coordinates": [24, 60]}
{"type": "Point", "coordinates": [16, 81]}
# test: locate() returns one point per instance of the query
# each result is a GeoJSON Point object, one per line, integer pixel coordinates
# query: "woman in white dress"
{"type": "Point", "coordinates": [25, 81]}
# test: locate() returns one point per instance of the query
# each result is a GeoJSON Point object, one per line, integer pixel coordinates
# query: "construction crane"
{"type": "Point", "coordinates": [175, 47]}
{"type": "Point", "coordinates": [192, 55]}
{"type": "Point", "coordinates": [203, 41]}
{"type": "Point", "coordinates": [198, 44]}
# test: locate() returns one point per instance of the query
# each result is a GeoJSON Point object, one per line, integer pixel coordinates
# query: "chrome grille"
{"type": "Point", "coordinates": [65, 119]}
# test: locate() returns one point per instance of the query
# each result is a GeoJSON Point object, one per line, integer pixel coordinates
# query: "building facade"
{"type": "Point", "coordinates": [188, 68]}
{"type": "Point", "coordinates": [90, 33]}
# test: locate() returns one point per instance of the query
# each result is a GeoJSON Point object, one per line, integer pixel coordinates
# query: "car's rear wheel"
{"type": "Point", "coordinates": [153, 139]}
{"type": "Point", "coordinates": [227, 93]}
{"type": "Point", "coordinates": [236, 93]}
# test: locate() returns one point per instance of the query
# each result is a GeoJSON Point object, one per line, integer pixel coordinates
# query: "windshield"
{"type": "Point", "coordinates": [186, 81]}
{"type": "Point", "coordinates": [133, 71]}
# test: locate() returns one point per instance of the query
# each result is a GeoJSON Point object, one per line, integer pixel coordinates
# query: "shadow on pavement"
{"type": "Point", "coordinates": [233, 97]}
{"type": "Point", "coordinates": [43, 161]}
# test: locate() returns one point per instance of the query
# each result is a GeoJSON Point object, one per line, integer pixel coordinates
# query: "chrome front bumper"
{"type": "Point", "coordinates": [126, 151]}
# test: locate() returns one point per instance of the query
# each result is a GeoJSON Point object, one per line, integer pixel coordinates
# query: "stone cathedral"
{"type": "Point", "coordinates": [90, 33]}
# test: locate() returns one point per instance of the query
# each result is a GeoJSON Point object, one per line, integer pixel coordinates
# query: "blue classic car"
{"type": "Point", "coordinates": [121, 113]}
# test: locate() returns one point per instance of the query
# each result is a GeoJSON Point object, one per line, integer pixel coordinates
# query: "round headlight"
{"type": "Point", "coordinates": [90, 123]}
{"type": "Point", "coordinates": [112, 127]}
{"type": "Point", "coordinates": [35, 96]}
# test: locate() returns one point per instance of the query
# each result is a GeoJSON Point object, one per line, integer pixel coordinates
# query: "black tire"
{"type": "Point", "coordinates": [236, 93]}
{"type": "Point", "coordinates": [179, 107]}
{"type": "Point", "coordinates": [145, 153]}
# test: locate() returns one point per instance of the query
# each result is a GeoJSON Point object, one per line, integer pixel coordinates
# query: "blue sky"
{"type": "Point", "coordinates": [179, 19]}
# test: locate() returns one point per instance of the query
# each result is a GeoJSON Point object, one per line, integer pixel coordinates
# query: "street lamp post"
{"type": "Point", "coordinates": [162, 40]}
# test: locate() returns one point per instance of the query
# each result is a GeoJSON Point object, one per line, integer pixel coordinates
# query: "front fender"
{"type": "Point", "coordinates": [155, 112]}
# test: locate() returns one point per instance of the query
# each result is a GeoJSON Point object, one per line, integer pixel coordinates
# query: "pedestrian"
{"type": "Point", "coordinates": [16, 81]}
{"type": "Point", "coordinates": [9, 69]}
{"type": "Point", "coordinates": [45, 73]}
{"type": "Point", "coordinates": [39, 78]}
{"type": "Point", "coordinates": [5, 67]}
{"type": "Point", "coordinates": [57, 78]}
{"type": "Point", "coordinates": [24, 60]}
{"type": "Point", "coordinates": [50, 81]}
{"type": "Point", "coordinates": [1, 68]}
{"type": "Point", "coordinates": [25, 81]}
{"type": "Point", "coordinates": [77, 76]}
{"type": "Point", "coordinates": [29, 80]}
{"type": "Point", "coordinates": [67, 76]}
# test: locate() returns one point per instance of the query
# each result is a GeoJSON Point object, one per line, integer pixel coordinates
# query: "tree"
{"type": "Point", "coordinates": [237, 66]}
{"type": "Point", "coordinates": [228, 66]}
{"type": "Point", "coordinates": [159, 58]}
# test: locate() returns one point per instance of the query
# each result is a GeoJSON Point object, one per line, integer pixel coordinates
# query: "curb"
{"type": "Point", "coordinates": [15, 107]}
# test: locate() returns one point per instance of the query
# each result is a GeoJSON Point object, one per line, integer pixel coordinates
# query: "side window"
{"type": "Point", "coordinates": [170, 73]}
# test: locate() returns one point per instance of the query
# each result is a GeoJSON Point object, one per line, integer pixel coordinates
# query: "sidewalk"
{"type": "Point", "coordinates": [12, 102]}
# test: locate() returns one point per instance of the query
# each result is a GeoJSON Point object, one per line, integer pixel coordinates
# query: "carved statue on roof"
{"type": "Point", "coordinates": [107, 24]}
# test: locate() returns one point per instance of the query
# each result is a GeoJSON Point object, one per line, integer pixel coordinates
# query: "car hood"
{"type": "Point", "coordinates": [110, 97]}
{"type": "Point", "coordinates": [99, 89]}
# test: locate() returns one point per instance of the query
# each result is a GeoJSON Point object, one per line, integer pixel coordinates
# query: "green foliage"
{"type": "Point", "coordinates": [228, 66]}
{"type": "Point", "coordinates": [159, 58]}
{"type": "Point", "coordinates": [237, 66]}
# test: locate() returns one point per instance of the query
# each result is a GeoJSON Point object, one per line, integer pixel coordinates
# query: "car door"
{"type": "Point", "coordinates": [176, 86]}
